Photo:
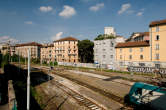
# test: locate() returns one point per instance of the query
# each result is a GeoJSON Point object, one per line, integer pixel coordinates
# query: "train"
{"type": "Point", "coordinates": [149, 95]}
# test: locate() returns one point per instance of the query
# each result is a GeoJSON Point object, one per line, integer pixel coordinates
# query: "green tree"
{"type": "Point", "coordinates": [0, 59]}
{"type": "Point", "coordinates": [104, 36]}
{"type": "Point", "coordinates": [85, 51]}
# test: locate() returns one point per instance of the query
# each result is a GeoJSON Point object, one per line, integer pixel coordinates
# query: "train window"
{"type": "Point", "coordinates": [138, 91]}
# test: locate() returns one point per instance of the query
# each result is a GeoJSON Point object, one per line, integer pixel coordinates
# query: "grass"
{"type": "Point", "coordinates": [107, 70]}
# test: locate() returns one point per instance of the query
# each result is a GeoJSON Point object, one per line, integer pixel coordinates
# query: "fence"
{"type": "Point", "coordinates": [87, 65]}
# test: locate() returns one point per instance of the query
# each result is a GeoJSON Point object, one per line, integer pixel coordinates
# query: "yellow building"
{"type": "Point", "coordinates": [66, 49]}
{"type": "Point", "coordinates": [157, 31]}
{"type": "Point", "coordinates": [143, 50]}
{"type": "Point", "coordinates": [47, 53]}
{"type": "Point", "coordinates": [132, 54]}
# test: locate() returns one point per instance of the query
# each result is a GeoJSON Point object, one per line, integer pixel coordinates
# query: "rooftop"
{"type": "Point", "coordinates": [156, 23]}
{"type": "Point", "coordinates": [132, 44]}
{"type": "Point", "coordinates": [29, 44]}
{"type": "Point", "coordinates": [47, 45]}
{"type": "Point", "coordinates": [67, 39]}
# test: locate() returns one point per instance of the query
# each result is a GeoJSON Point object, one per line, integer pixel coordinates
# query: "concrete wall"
{"type": "Point", "coordinates": [11, 95]}
{"type": "Point", "coordinates": [87, 65]}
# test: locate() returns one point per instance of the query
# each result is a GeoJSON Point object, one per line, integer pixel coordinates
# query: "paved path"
{"type": "Point", "coordinates": [102, 77]}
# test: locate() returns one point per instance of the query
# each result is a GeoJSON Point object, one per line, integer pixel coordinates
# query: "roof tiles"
{"type": "Point", "coordinates": [132, 44]}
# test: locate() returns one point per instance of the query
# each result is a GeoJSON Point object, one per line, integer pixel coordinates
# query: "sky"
{"type": "Point", "coordinates": [46, 20]}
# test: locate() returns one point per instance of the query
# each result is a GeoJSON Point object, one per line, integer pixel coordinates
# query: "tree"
{"type": "Point", "coordinates": [85, 51]}
{"type": "Point", "coordinates": [104, 36]}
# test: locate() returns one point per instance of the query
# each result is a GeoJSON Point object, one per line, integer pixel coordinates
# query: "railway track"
{"type": "Point", "coordinates": [78, 97]}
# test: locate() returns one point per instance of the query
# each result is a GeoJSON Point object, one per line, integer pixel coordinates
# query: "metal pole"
{"type": "Point", "coordinates": [19, 61]}
{"type": "Point", "coordinates": [28, 81]}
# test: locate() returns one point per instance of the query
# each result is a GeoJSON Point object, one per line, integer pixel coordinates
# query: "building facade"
{"type": "Point", "coordinates": [157, 31]}
{"type": "Point", "coordinates": [141, 50]}
{"type": "Point", "coordinates": [104, 50]}
{"type": "Point", "coordinates": [47, 53]}
{"type": "Point", "coordinates": [138, 36]}
{"type": "Point", "coordinates": [109, 31]}
{"type": "Point", "coordinates": [22, 49]}
{"type": "Point", "coordinates": [4, 48]}
{"type": "Point", "coordinates": [132, 54]}
{"type": "Point", "coordinates": [66, 49]}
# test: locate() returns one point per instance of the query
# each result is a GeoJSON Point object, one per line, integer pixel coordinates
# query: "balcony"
{"type": "Point", "coordinates": [59, 54]}
{"type": "Point", "coordinates": [71, 54]}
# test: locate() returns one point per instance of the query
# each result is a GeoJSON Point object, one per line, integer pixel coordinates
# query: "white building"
{"type": "Point", "coordinates": [109, 31]}
{"type": "Point", "coordinates": [104, 50]}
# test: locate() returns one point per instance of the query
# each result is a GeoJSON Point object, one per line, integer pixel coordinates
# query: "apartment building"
{"type": "Point", "coordinates": [132, 54]}
{"type": "Point", "coordinates": [66, 49]}
{"type": "Point", "coordinates": [138, 36]}
{"type": "Point", "coordinates": [4, 48]}
{"type": "Point", "coordinates": [47, 53]}
{"type": "Point", "coordinates": [157, 30]}
{"type": "Point", "coordinates": [141, 50]}
{"type": "Point", "coordinates": [104, 50]}
{"type": "Point", "coordinates": [22, 49]}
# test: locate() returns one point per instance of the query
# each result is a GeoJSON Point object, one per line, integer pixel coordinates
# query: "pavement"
{"type": "Point", "coordinates": [130, 83]}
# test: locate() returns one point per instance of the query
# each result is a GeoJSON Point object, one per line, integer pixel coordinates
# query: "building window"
{"type": "Point", "coordinates": [157, 65]}
{"type": "Point", "coordinates": [130, 49]}
{"type": "Point", "coordinates": [120, 56]}
{"type": "Point", "coordinates": [141, 64]}
{"type": "Point", "coordinates": [104, 43]}
{"type": "Point", "coordinates": [141, 49]}
{"type": "Point", "coordinates": [157, 47]}
{"type": "Point", "coordinates": [130, 57]}
{"type": "Point", "coordinates": [103, 49]}
{"type": "Point", "coordinates": [121, 63]}
{"type": "Point", "coordinates": [141, 57]}
{"type": "Point", "coordinates": [112, 44]}
{"type": "Point", "coordinates": [157, 28]}
{"type": "Point", "coordinates": [111, 56]}
{"type": "Point", "coordinates": [120, 50]}
{"type": "Point", "coordinates": [157, 37]}
{"type": "Point", "coordinates": [103, 56]}
{"type": "Point", "coordinates": [157, 56]}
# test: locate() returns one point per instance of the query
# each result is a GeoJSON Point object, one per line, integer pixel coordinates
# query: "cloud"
{"type": "Point", "coordinates": [28, 22]}
{"type": "Point", "coordinates": [97, 7]}
{"type": "Point", "coordinates": [124, 8]}
{"type": "Point", "coordinates": [6, 39]}
{"type": "Point", "coordinates": [130, 11]}
{"type": "Point", "coordinates": [67, 12]}
{"type": "Point", "coordinates": [57, 36]}
{"type": "Point", "coordinates": [45, 8]}
{"type": "Point", "coordinates": [139, 13]}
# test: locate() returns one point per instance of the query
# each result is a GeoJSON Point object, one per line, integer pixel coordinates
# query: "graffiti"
{"type": "Point", "coordinates": [146, 69]}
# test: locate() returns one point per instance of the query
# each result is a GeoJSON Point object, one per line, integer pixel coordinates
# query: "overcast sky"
{"type": "Point", "coordinates": [46, 20]}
